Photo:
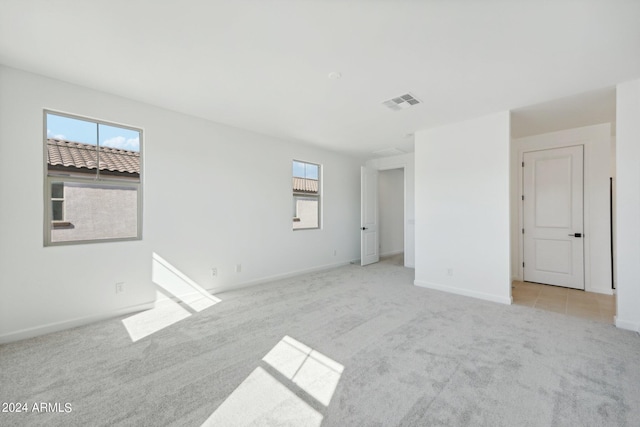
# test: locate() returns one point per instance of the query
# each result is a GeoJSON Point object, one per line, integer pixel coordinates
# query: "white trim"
{"type": "Point", "coordinates": [463, 292]}
{"type": "Point", "coordinates": [319, 195]}
{"type": "Point", "coordinates": [628, 325]}
{"type": "Point", "coordinates": [603, 291]}
{"type": "Point", "coordinates": [221, 289]}
{"type": "Point", "coordinates": [396, 164]}
{"type": "Point", "coordinates": [70, 323]}
{"type": "Point", "coordinates": [81, 321]}
{"type": "Point", "coordinates": [96, 180]}
{"type": "Point", "coordinates": [586, 227]}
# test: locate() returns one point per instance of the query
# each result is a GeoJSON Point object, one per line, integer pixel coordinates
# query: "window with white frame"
{"type": "Point", "coordinates": [57, 203]}
{"type": "Point", "coordinates": [306, 195]}
{"type": "Point", "coordinates": [93, 172]}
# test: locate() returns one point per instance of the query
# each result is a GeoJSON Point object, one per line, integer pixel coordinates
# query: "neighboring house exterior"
{"type": "Point", "coordinates": [84, 208]}
{"type": "Point", "coordinates": [305, 203]}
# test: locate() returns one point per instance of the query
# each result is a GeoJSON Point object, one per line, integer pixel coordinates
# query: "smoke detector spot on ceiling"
{"type": "Point", "coordinates": [401, 102]}
{"type": "Point", "coordinates": [388, 152]}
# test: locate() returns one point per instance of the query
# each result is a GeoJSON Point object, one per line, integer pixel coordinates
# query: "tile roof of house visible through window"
{"type": "Point", "coordinates": [305, 185]}
{"type": "Point", "coordinates": [69, 155]}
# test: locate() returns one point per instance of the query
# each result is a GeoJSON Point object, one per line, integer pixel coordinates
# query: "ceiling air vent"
{"type": "Point", "coordinates": [401, 102]}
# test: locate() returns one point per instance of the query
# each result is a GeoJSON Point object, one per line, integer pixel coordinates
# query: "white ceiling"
{"type": "Point", "coordinates": [263, 64]}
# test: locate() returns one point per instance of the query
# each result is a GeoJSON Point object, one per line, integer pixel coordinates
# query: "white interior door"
{"type": "Point", "coordinates": [553, 217]}
{"type": "Point", "coordinates": [369, 216]}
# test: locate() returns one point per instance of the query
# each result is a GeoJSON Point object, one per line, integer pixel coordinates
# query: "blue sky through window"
{"type": "Point", "coordinates": [77, 130]}
{"type": "Point", "coordinates": [305, 170]}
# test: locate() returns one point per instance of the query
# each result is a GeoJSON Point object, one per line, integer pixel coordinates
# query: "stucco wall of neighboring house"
{"type": "Point", "coordinates": [307, 212]}
{"type": "Point", "coordinates": [98, 212]}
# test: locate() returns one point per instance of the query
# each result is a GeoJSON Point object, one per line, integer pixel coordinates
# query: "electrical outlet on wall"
{"type": "Point", "coordinates": [238, 268]}
{"type": "Point", "coordinates": [214, 271]}
{"type": "Point", "coordinates": [449, 271]}
{"type": "Point", "coordinates": [119, 287]}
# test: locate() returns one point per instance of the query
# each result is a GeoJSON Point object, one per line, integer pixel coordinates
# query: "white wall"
{"type": "Point", "coordinates": [628, 205]}
{"type": "Point", "coordinates": [462, 208]}
{"type": "Point", "coordinates": [214, 196]}
{"type": "Point", "coordinates": [391, 209]}
{"type": "Point", "coordinates": [596, 140]}
{"type": "Point", "coordinates": [406, 162]}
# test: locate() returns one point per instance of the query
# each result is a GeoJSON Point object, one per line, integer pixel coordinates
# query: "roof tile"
{"type": "Point", "coordinates": [305, 185]}
{"type": "Point", "coordinates": [84, 156]}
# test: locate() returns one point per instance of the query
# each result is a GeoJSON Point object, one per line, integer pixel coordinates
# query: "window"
{"type": "Point", "coordinates": [306, 195]}
{"type": "Point", "coordinates": [57, 201]}
{"type": "Point", "coordinates": [57, 205]}
{"type": "Point", "coordinates": [93, 187]}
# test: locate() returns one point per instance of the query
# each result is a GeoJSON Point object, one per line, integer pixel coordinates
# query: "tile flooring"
{"type": "Point", "coordinates": [572, 302]}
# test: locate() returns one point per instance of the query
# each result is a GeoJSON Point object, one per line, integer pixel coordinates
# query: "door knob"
{"type": "Point", "coordinates": [576, 235]}
{"type": "Point", "coordinates": [364, 228]}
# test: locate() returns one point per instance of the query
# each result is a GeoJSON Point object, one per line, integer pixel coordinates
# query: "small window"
{"type": "Point", "coordinates": [57, 201]}
{"type": "Point", "coordinates": [92, 180]}
{"type": "Point", "coordinates": [306, 195]}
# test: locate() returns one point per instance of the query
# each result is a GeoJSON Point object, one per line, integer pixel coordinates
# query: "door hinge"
{"type": "Point", "coordinates": [522, 164]}
{"type": "Point", "coordinates": [523, 197]}
{"type": "Point", "coordinates": [523, 231]}
{"type": "Point", "coordinates": [523, 265]}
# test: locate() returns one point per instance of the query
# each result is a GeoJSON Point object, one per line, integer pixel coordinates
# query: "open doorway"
{"type": "Point", "coordinates": [397, 202]}
{"type": "Point", "coordinates": [391, 214]}
{"type": "Point", "coordinates": [574, 282]}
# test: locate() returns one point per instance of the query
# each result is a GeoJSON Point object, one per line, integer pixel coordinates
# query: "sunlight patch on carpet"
{"type": "Point", "coordinates": [165, 313]}
{"type": "Point", "coordinates": [307, 378]}
{"type": "Point", "coordinates": [172, 285]}
{"type": "Point", "coordinates": [310, 370]}
{"type": "Point", "coordinates": [263, 400]}
{"type": "Point", "coordinates": [180, 286]}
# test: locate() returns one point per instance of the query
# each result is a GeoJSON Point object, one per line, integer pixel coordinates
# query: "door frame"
{"type": "Point", "coordinates": [588, 137]}
{"type": "Point", "coordinates": [404, 162]}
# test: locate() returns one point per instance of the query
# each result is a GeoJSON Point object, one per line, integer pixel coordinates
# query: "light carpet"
{"type": "Point", "coordinates": [351, 346]}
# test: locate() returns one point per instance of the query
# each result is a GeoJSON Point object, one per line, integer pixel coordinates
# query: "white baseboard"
{"type": "Point", "coordinates": [624, 324]}
{"type": "Point", "coordinates": [80, 321]}
{"type": "Point", "coordinates": [70, 323]}
{"type": "Point", "coordinates": [182, 298]}
{"type": "Point", "coordinates": [463, 292]}
{"type": "Point", "coordinates": [604, 291]}
{"type": "Point", "coordinates": [280, 276]}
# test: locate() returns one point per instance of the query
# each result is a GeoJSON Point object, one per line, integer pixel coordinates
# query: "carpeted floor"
{"type": "Point", "coordinates": [351, 346]}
